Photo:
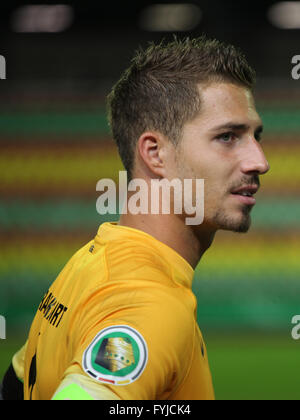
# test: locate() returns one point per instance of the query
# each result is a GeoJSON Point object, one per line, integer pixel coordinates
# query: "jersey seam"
{"type": "Point", "coordinates": [189, 368]}
{"type": "Point", "coordinates": [106, 262]}
{"type": "Point", "coordinates": [88, 293]}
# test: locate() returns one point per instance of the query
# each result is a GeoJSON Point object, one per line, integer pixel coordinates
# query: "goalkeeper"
{"type": "Point", "coordinates": [119, 322]}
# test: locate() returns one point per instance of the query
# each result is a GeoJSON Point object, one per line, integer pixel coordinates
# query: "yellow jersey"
{"type": "Point", "coordinates": [119, 322]}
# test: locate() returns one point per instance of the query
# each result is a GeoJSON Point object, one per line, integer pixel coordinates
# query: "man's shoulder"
{"type": "Point", "coordinates": [128, 267]}
{"type": "Point", "coordinates": [147, 278]}
{"type": "Point", "coordinates": [138, 261]}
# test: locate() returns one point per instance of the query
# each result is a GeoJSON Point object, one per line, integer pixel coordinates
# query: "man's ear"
{"type": "Point", "coordinates": [151, 151]}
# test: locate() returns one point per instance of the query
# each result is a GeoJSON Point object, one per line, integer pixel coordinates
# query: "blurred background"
{"type": "Point", "coordinates": [61, 62]}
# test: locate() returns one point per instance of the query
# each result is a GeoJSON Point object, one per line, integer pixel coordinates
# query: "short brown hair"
{"type": "Point", "coordinates": [159, 89]}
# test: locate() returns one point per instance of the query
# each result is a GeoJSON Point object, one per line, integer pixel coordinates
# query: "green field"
{"type": "Point", "coordinates": [244, 367]}
{"type": "Point", "coordinates": [255, 367]}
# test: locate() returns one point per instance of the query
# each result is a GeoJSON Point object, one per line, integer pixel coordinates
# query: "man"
{"type": "Point", "coordinates": [120, 320]}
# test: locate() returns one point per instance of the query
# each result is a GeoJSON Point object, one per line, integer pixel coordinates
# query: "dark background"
{"type": "Point", "coordinates": [103, 36]}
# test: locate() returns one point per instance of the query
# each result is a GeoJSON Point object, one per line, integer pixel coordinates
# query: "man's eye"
{"type": "Point", "coordinates": [226, 137]}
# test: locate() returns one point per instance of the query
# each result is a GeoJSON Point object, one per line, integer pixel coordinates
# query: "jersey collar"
{"type": "Point", "coordinates": [182, 270]}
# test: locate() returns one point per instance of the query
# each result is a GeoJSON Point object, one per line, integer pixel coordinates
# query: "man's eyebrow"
{"type": "Point", "coordinates": [239, 127]}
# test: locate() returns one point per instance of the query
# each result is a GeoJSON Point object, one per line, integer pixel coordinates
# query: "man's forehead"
{"type": "Point", "coordinates": [226, 103]}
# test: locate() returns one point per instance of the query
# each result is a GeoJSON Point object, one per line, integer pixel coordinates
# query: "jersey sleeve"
{"type": "Point", "coordinates": [82, 387]}
{"type": "Point", "coordinates": [141, 348]}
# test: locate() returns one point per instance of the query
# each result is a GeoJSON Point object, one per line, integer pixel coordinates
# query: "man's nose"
{"type": "Point", "coordinates": [255, 159]}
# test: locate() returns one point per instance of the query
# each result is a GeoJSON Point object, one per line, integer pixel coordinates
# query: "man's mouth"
{"type": "Point", "coordinates": [245, 194]}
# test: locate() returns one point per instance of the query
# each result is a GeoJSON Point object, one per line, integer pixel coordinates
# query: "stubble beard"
{"type": "Point", "coordinates": [220, 220]}
{"type": "Point", "coordinates": [229, 223]}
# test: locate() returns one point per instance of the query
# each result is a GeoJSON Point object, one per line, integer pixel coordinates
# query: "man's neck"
{"type": "Point", "coordinates": [172, 231]}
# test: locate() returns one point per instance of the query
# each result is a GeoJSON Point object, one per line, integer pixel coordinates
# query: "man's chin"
{"type": "Point", "coordinates": [242, 228]}
{"type": "Point", "coordinates": [238, 225]}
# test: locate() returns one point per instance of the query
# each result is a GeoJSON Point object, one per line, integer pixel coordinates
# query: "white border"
{"type": "Point", "coordinates": [134, 375]}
